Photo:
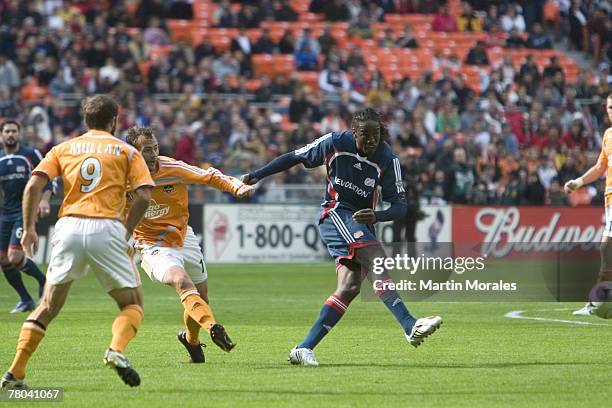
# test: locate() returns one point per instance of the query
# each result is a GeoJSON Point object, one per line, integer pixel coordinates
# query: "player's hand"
{"type": "Point", "coordinates": [29, 242]}
{"type": "Point", "coordinates": [248, 179]}
{"type": "Point", "coordinates": [573, 185]}
{"type": "Point", "coordinates": [44, 209]}
{"type": "Point", "coordinates": [245, 191]}
{"type": "Point", "coordinates": [365, 216]}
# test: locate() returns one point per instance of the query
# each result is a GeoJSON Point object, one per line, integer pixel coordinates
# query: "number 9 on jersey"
{"type": "Point", "coordinates": [91, 172]}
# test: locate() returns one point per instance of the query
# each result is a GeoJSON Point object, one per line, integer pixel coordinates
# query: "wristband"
{"type": "Point", "coordinates": [580, 182]}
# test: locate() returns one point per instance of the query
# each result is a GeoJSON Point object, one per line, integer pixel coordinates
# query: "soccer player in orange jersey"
{"type": "Point", "coordinates": [603, 166]}
{"type": "Point", "coordinates": [96, 169]}
{"type": "Point", "coordinates": [169, 249]}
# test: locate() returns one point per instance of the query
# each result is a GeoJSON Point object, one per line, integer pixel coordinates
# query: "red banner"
{"type": "Point", "coordinates": [505, 230]}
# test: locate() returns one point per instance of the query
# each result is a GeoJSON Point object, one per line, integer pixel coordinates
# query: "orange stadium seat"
{"type": "Point", "coordinates": [268, 64]}
{"type": "Point", "coordinates": [309, 78]}
{"type": "Point", "coordinates": [252, 84]}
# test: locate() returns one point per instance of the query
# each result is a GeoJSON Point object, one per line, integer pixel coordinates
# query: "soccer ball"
{"type": "Point", "coordinates": [601, 300]}
{"type": "Point", "coordinates": [602, 309]}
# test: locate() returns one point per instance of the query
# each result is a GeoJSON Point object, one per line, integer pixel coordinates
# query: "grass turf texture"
{"type": "Point", "coordinates": [478, 358]}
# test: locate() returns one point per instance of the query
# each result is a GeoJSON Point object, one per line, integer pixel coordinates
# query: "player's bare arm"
{"type": "Point", "coordinates": [44, 208]}
{"type": "Point", "coordinates": [591, 175]}
{"type": "Point", "coordinates": [31, 200]}
{"type": "Point", "coordinates": [142, 196]}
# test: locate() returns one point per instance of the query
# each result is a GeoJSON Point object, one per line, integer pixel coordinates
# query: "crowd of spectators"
{"type": "Point", "coordinates": [515, 140]}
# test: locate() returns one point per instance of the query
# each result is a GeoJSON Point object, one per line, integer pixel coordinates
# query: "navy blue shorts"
{"type": "Point", "coordinates": [11, 228]}
{"type": "Point", "coordinates": [342, 235]}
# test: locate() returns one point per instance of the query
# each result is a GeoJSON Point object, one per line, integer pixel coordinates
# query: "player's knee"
{"type": "Point", "coordinates": [349, 290]}
{"type": "Point", "coordinates": [178, 279]}
{"type": "Point", "coordinates": [15, 258]}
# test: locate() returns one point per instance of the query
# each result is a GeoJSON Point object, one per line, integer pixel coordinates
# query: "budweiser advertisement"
{"type": "Point", "coordinates": [504, 231]}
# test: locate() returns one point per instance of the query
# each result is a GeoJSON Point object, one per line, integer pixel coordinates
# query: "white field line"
{"type": "Point", "coordinates": [518, 314]}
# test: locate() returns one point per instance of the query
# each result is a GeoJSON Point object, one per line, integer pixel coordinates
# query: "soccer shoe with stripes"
{"type": "Point", "coordinates": [586, 310]}
{"type": "Point", "coordinates": [120, 363]}
{"type": "Point", "coordinates": [195, 351]}
{"type": "Point", "coordinates": [24, 306]}
{"type": "Point", "coordinates": [423, 328]}
{"type": "Point", "coordinates": [303, 356]}
{"type": "Point", "coordinates": [219, 336]}
{"type": "Point", "coordinates": [9, 381]}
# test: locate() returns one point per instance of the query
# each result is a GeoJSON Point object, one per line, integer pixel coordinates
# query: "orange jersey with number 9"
{"type": "Point", "coordinates": [96, 169]}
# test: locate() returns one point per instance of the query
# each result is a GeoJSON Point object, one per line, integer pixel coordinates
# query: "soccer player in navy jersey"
{"type": "Point", "coordinates": [16, 164]}
{"type": "Point", "coordinates": [357, 162]}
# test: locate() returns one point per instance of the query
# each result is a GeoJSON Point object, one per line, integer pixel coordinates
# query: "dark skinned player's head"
{"type": "Point", "coordinates": [369, 130]}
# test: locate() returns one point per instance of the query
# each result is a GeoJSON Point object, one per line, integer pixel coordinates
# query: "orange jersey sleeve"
{"type": "Point", "coordinates": [96, 169]}
{"type": "Point", "coordinates": [195, 175]}
{"type": "Point", "coordinates": [49, 166]}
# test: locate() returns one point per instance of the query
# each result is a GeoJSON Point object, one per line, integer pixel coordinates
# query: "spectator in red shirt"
{"type": "Point", "coordinates": [444, 21]}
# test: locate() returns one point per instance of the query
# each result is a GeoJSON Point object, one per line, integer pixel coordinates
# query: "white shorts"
{"type": "Point", "coordinates": [95, 242]}
{"type": "Point", "coordinates": [156, 260]}
{"type": "Point", "coordinates": [608, 227]}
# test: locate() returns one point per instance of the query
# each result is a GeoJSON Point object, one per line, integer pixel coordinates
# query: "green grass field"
{"type": "Point", "coordinates": [478, 358]}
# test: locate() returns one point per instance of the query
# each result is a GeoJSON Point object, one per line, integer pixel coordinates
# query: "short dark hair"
{"type": "Point", "coordinates": [10, 122]}
{"type": "Point", "coordinates": [99, 111]}
{"type": "Point", "coordinates": [369, 114]}
{"type": "Point", "coordinates": [135, 133]}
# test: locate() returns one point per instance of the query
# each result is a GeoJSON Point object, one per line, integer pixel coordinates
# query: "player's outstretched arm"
{"type": "Point", "coordinates": [281, 163]}
{"type": "Point", "coordinates": [31, 199]}
{"type": "Point", "coordinates": [592, 174]}
{"type": "Point", "coordinates": [216, 179]}
{"type": "Point", "coordinates": [142, 196]}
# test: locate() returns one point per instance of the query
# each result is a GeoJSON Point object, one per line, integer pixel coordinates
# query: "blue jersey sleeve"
{"type": "Point", "coordinates": [313, 154]}
{"type": "Point", "coordinates": [392, 192]}
{"type": "Point", "coordinates": [36, 157]}
{"type": "Point", "coordinates": [392, 183]}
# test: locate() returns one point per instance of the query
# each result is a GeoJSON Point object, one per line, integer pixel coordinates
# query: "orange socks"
{"type": "Point", "coordinates": [125, 326]}
{"type": "Point", "coordinates": [192, 329]}
{"type": "Point", "coordinates": [198, 310]}
{"type": "Point", "coordinates": [31, 334]}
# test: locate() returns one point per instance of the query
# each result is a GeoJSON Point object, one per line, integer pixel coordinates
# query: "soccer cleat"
{"type": "Point", "coordinates": [586, 310]}
{"type": "Point", "coordinates": [120, 363]}
{"type": "Point", "coordinates": [195, 351]}
{"type": "Point", "coordinates": [24, 306]}
{"type": "Point", "coordinates": [423, 328]}
{"type": "Point", "coordinates": [302, 356]}
{"type": "Point", "coordinates": [220, 338]}
{"type": "Point", "coordinates": [9, 381]}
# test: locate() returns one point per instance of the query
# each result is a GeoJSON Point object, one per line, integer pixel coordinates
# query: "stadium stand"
{"type": "Point", "coordinates": [519, 86]}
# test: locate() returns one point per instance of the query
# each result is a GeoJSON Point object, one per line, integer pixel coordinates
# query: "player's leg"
{"type": "Point", "coordinates": [33, 331]}
{"type": "Point", "coordinates": [605, 269]}
{"type": "Point", "coordinates": [11, 273]}
{"type": "Point", "coordinates": [17, 257]}
{"type": "Point", "coordinates": [347, 288]}
{"type": "Point", "coordinates": [195, 269]}
{"type": "Point", "coordinates": [107, 254]}
{"type": "Point", "coordinates": [124, 329]}
{"type": "Point", "coordinates": [415, 330]}
{"type": "Point", "coordinates": [13, 277]}
{"type": "Point", "coordinates": [192, 328]}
